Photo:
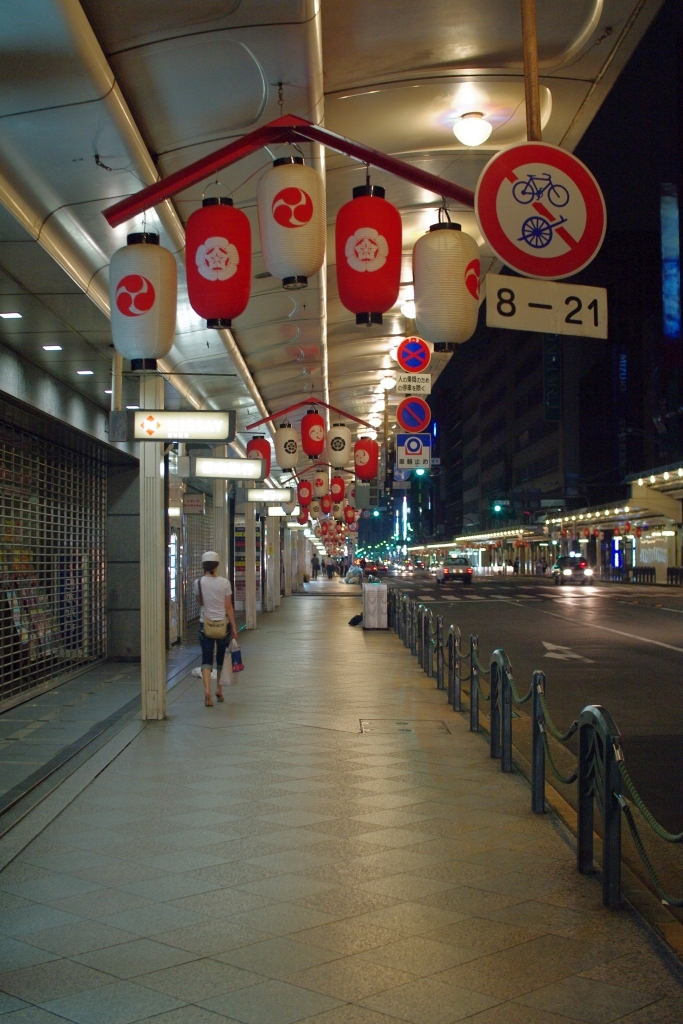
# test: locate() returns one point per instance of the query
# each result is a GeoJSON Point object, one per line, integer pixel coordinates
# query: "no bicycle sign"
{"type": "Point", "coordinates": [540, 210]}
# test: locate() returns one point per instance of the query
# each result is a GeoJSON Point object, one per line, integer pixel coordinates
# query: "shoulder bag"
{"type": "Point", "coordinates": [214, 629]}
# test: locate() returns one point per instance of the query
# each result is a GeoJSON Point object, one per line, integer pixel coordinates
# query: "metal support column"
{"type": "Point", "coordinates": [250, 564]}
{"type": "Point", "coordinates": [300, 561]}
{"type": "Point", "coordinates": [269, 548]}
{"type": "Point", "coordinates": [277, 562]}
{"type": "Point", "coordinates": [220, 516]}
{"type": "Point", "coordinates": [288, 562]}
{"type": "Point", "coordinates": [152, 560]}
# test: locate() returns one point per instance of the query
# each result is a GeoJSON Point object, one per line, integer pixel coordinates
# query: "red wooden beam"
{"type": "Point", "coordinates": [284, 129]}
{"type": "Point", "coordinates": [152, 195]}
{"type": "Point", "coordinates": [311, 400]}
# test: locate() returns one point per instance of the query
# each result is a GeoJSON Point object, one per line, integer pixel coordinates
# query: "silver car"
{"type": "Point", "coordinates": [455, 570]}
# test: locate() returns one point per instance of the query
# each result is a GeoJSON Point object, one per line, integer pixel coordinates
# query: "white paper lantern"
{"type": "Point", "coordinates": [286, 446]}
{"type": "Point", "coordinates": [446, 280]}
{"type": "Point", "coordinates": [320, 482]}
{"type": "Point", "coordinates": [351, 494]}
{"type": "Point", "coordinates": [338, 509]}
{"type": "Point", "coordinates": [314, 509]}
{"type": "Point", "coordinates": [339, 445]}
{"type": "Point", "coordinates": [292, 221]}
{"type": "Point", "coordinates": [289, 506]}
{"type": "Point", "coordinates": [143, 290]}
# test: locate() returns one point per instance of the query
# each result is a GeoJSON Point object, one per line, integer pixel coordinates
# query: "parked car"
{"type": "Point", "coordinates": [454, 570]}
{"type": "Point", "coordinates": [571, 569]}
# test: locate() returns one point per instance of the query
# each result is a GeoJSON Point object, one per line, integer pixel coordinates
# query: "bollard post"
{"type": "Point", "coordinates": [598, 775]}
{"type": "Point", "coordinates": [506, 720]}
{"type": "Point", "coordinates": [495, 709]}
{"type": "Point", "coordinates": [429, 648]}
{"type": "Point", "coordinates": [474, 684]}
{"type": "Point", "coordinates": [413, 627]}
{"type": "Point", "coordinates": [537, 748]}
{"type": "Point", "coordinates": [439, 652]}
{"type": "Point", "coordinates": [420, 635]}
{"type": "Point", "coordinates": [457, 672]}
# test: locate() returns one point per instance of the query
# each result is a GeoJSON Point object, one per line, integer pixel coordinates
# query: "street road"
{"type": "Point", "coordinates": [616, 645]}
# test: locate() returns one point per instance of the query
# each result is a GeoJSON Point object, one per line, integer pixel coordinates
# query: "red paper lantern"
{"type": "Point", "coordinates": [313, 434]}
{"type": "Point", "coordinates": [627, 527]}
{"type": "Point", "coordinates": [368, 243]}
{"type": "Point", "coordinates": [326, 504]}
{"type": "Point", "coordinates": [349, 514]}
{"type": "Point", "coordinates": [302, 518]}
{"type": "Point", "coordinates": [563, 533]}
{"type": "Point", "coordinates": [218, 239]}
{"type": "Point", "coordinates": [337, 488]}
{"type": "Point", "coordinates": [324, 528]}
{"type": "Point", "coordinates": [304, 492]}
{"type": "Point", "coordinates": [639, 531]}
{"type": "Point", "coordinates": [366, 458]}
{"type": "Point", "coordinates": [586, 532]}
{"type": "Point", "coordinates": [617, 531]}
{"type": "Point", "coordinates": [596, 533]}
{"type": "Point", "coordinates": [259, 448]}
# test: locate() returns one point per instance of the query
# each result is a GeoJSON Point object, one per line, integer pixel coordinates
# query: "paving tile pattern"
{"type": "Point", "coordinates": [263, 862]}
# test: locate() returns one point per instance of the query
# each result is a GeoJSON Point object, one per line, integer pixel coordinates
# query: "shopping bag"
{"type": "Point", "coordinates": [236, 656]}
{"type": "Point", "coordinates": [227, 677]}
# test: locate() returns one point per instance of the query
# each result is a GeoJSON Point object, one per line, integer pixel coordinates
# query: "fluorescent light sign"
{"type": "Point", "coordinates": [269, 494]}
{"type": "Point", "coordinates": [276, 511]}
{"type": "Point", "coordinates": [226, 469]}
{"type": "Point", "coordinates": [158, 425]}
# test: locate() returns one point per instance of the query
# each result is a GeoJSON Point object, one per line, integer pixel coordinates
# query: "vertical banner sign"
{"type": "Point", "coordinates": [552, 378]}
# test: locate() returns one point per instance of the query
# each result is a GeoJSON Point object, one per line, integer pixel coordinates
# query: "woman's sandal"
{"type": "Point", "coordinates": [219, 696]}
{"type": "Point", "coordinates": [208, 702]}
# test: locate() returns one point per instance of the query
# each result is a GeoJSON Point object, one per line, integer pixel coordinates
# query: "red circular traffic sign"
{"type": "Point", "coordinates": [413, 355]}
{"type": "Point", "coordinates": [541, 210]}
{"type": "Point", "coordinates": [414, 415]}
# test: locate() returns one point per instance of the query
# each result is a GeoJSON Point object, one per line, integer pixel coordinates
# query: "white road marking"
{"type": "Point", "coordinates": [679, 611]}
{"type": "Point", "coordinates": [562, 653]}
{"type": "Point", "coordinates": [609, 629]}
{"type": "Point", "coordinates": [450, 597]}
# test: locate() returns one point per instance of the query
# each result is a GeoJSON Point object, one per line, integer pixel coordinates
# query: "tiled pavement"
{"type": "Point", "coordinates": [264, 862]}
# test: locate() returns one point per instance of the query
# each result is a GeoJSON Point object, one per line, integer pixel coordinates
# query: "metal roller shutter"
{"type": "Point", "coordinates": [53, 514]}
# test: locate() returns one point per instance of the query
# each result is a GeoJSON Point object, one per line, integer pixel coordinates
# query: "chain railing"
{"type": "Point", "coordinates": [600, 772]}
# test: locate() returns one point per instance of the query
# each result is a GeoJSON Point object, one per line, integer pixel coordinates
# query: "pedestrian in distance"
{"type": "Point", "coordinates": [315, 567]}
{"type": "Point", "coordinates": [329, 565]}
{"type": "Point", "coordinates": [216, 622]}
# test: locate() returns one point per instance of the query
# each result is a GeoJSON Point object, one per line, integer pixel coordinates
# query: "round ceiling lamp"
{"type": "Point", "coordinates": [388, 383]}
{"type": "Point", "coordinates": [408, 309]}
{"type": "Point", "coordinates": [472, 129]}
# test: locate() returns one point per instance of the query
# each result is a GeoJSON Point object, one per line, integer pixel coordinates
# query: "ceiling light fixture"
{"type": "Point", "coordinates": [52, 348]}
{"type": "Point", "coordinates": [375, 421]}
{"type": "Point", "coordinates": [388, 383]}
{"type": "Point", "coordinates": [472, 129]}
{"type": "Point", "coordinates": [132, 407]}
{"type": "Point", "coordinates": [11, 316]}
{"type": "Point", "coordinates": [85, 373]}
{"type": "Point", "coordinates": [408, 309]}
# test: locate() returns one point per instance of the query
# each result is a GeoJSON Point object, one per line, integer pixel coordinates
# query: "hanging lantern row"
{"type": "Point", "coordinates": [365, 450]}
{"type": "Point", "coordinates": [292, 227]}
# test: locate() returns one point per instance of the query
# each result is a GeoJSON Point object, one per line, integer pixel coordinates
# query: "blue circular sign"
{"type": "Point", "coordinates": [413, 355]}
{"type": "Point", "coordinates": [413, 414]}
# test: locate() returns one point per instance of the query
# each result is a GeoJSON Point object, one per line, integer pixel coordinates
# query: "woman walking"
{"type": "Point", "coordinates": [216, 622]}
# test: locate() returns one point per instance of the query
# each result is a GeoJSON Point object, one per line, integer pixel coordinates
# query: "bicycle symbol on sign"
{"type": "Point", "coordinates": [537, 231]}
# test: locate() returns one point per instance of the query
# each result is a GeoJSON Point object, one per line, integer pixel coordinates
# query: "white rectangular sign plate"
{"type": "Point", "coordinates": [525, 304]}
{"type": "Point", "coordinates": [414, 384]}
{"type": "Point", "coordinates": [413, 451]}
{"type": "Point", "coordinates": [161, 425]}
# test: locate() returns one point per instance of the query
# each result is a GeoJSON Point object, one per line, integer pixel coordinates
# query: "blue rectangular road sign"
{"type": "Point", "coordinates": [413, 451]}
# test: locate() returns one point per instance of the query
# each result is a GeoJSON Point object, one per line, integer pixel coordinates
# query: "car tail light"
{"type": "Point", "coordinates": [468, 570]}
{"type": "Point", "coordinates": [446, 571]}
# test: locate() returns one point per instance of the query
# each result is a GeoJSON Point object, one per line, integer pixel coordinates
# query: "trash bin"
{"type": "Point", "coordinates": [374, 606]}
